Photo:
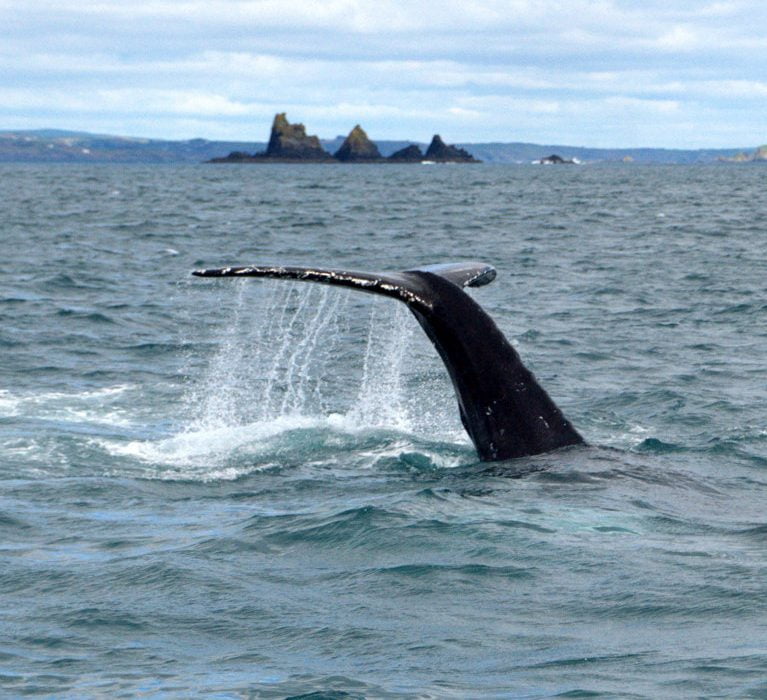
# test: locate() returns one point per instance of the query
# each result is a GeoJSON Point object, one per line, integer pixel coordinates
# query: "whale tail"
{"type": "Point", "coordinates": [505, 411]}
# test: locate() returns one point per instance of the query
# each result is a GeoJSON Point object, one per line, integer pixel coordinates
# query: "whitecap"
{"type": "Point", "coordinates": [9, 404]}
{"type": "Point", "coordinates": [201, 445]}
{"type": "Point", "coordinates": [93, 406]}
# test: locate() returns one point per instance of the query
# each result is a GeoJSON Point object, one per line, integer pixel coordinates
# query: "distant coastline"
{"type": "Point", "coordinates": [60, 146]}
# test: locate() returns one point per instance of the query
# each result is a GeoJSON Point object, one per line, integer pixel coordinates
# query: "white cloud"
{"type": "Point", "coordinates": [636, 105]}
{"type": "Point", "coordinates": [171, 102]}
{"type": "Point", "coordinates": [404, 68]}
{"type": "Point", "coordinates": [175, 102]}
{"type": "Point", "coordinates": [678, 38]}
{"type": "Point", "coordinates": [585, 18]}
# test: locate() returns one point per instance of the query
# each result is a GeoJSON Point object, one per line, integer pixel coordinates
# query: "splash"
{"type": "Point", "coordinates": [297, 356]}
{"type": "Point", "coordinates": [294, 358]}
{"type": "Point", "coordinates": [381, 401]}
{"type": "Point", "coordinates": [199, 449]}
{"type": "Point", "coordinates": [274, 358]}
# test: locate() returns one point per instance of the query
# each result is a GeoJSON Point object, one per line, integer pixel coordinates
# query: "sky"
{"type": "Point", "coordinates": [600, 73]}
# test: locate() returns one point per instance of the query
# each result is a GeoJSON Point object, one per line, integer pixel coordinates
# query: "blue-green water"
{"type": "Point", "coordinates": [246, 488]}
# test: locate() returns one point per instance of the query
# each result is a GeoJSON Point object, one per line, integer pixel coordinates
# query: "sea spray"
{"type": "Point", "coordinates": [302, 380]}
{"type": "Point", "coordinates": [272, 357]}
{"type": "Point", "coordinates": [276, 358]}
{"type": "Point", "coordinates": [294, 357]}
{"type": "Point", "coordinates": [217, 394]}
{"type": "Point", "coordinates": [381, 401]}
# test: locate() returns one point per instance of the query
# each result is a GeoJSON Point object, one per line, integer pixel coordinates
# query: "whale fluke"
{"type": "Point", "coordinates": [505, 411]}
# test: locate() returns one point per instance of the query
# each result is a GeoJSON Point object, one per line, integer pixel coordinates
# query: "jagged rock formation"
{"type": "Point", "coordinates": [358, 148]}
{"type": "Point", "coordinates": [440, 152]}
{"type": "Point", "coordinates": [288, 143]}
{"type": "Point", "coordinates": [291, 142]}
{"type": "Point", "coordinates": [409, 154]}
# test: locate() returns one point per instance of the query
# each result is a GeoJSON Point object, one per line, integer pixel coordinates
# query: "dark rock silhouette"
{"type": "Point", "coordinates": [358, 148]}
{"type": "Point", "coordinates": [440, 152]}
{"type": "Point", "coordinates": [237, 155]}
{"type": "Point", "coordinates": [290, 141]}
{"type": "Point", "coordinates": [554, 159]}
{"type": "Point", "coordinates": [409, 154]}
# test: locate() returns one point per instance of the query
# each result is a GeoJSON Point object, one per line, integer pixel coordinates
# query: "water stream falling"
{"type": "Point", "coordinates": [382, 401]}
{"type": "Point", "coordinates": [294, 357]}
{"type": "Point", "coordinates": [309, 351]}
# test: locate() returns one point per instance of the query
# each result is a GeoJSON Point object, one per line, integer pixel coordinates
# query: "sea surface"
{"type": "Point", "coordinates": [261, 489]}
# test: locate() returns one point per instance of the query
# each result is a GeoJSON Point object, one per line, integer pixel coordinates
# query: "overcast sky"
{"type": "Point", "coordinates": [671, 73]}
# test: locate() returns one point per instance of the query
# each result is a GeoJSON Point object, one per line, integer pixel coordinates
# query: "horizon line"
{"type": "Point", "coordinates": [80, 132]}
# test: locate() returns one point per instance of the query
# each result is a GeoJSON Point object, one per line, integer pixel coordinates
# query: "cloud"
{"type": "Point", "coordinates": [679, 38]}
{"type": "Point", "coordinates": [490, 69]}
{"type": "Point", "coordinates": [175, 102]}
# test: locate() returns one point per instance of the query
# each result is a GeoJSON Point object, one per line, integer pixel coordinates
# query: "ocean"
{"type": "Point", "coordinates": [245, 488]}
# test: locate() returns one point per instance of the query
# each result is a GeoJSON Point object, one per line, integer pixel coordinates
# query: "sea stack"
{"type": "Point", "coordinates": [409, 154]}
{"type": "Point", "coordinates": [291, 142]}
{"type": "Point", "coordinates": [440, 152]}
{"type": "Point", "coordinates": [288, 143]}
{"type": "Point", "coordinates": [358, 148]}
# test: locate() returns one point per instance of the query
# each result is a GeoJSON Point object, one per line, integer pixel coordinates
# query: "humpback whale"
{"type": "Point", "coordinates": [505, 411]}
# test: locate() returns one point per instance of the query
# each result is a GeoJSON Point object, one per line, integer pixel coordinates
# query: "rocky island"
{"type": "Point", "coordinates": [289, 143]}
{"type": "Point", "coordinates": [358, 148]}
{"type": "Point", "coordinates": [409, 154]}
{"type": "Point", "coordinates": [439, 152]}
{"type": "Point", "coordinates": [759, 155]}
{"type": "Point", "coordinates": [554, 159]}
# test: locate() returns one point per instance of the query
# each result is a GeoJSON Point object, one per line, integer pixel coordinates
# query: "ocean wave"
{"type": "Point", "coordinates": [93, 406]}
{"type": "Point", "coordinates": [85, 315]}
{"type": "Point", "coordinates": [226, 453]}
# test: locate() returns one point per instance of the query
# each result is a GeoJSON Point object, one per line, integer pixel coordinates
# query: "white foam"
{"type": "Point", "coordinates": [399, 448]}
{"type": "Point", "coordinates": [225, 474]}
{"type": "Point", "coordinates": [9, 404]}
{"type": "Point", "coordinates": [276, 369]}
{"type": "Point", "coordinates": [92, 406]}
{"type": "Point", "coordinates": [212, 446]}
{"type": "Point", "coordinates": [634, 435]}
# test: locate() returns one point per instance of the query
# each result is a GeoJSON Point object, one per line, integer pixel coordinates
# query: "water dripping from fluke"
{"type": "Point", "coordinates": [297, 368]}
